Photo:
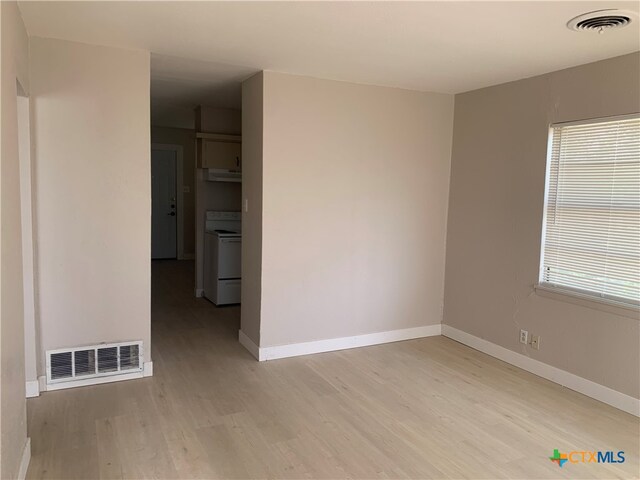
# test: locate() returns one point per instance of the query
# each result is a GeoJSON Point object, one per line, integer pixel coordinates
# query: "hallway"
{"type": "Point", "coordinates": [428, 408]}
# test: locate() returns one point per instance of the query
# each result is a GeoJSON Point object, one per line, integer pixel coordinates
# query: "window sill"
{"type": "Point", "coordinates": [602, 304]}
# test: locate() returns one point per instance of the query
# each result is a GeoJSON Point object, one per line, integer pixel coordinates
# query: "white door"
{"type": "Point", "coordinates": [163, 204]}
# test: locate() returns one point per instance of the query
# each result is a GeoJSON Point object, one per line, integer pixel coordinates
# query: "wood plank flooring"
{"type": "Point", "coordinates": [428, 408]}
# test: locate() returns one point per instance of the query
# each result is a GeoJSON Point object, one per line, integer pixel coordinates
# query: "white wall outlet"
{"type": "Point", "coordinates": [535, 342]}
{"type": "Point", "coordinates": [524, 336]}
{"type": "Point", "coordinates": [246, 205]}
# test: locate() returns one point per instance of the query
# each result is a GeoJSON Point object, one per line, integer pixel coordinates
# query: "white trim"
{"type": "Point", "coordinates": [147, 371]}
{"type": "Point", "coordinates": [32, 388]}
{"type": "Point", "coordinates": [179, 194]}
{"type": "Point", "coordinates": [247, 343]}
{"type": "Point", "coordinates": [199, 292]}
{"type": "Point", "coordinates": [588, 121]}
{"type": "Point", "coordinates": [93, 381]}
{"type": "Point", "coordinates": [334, 344]}
{"type": "Point", "coordinates": [31, 336]}
{"type": "Point", "coordinates": [587, 300]}
{"type": "Point", "coordinates": [574, 382]}
{"type": "Point", "coordinates": [547, 175]}
{"type": "Point", "coordinates": [24, 461]}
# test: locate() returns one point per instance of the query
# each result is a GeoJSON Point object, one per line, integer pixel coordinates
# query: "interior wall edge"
{"type": "Point", "coordinates": [14, 80]}
{"type": "Point", "coordinates": [247, 343]}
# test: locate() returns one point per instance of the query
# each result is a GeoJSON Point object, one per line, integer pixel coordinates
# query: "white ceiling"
{"type": "Point", "coordinates": [202, 50]}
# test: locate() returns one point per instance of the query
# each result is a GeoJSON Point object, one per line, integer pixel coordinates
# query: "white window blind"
{"type": "Point", "coordinates": [591, 234]}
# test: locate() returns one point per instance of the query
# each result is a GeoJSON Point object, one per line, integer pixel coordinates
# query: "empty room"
{"type": "Point", "coordinates": [324, 240]}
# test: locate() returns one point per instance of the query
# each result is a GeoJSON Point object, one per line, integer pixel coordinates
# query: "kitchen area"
{"type": "Point", "coordinates": [218, 189]}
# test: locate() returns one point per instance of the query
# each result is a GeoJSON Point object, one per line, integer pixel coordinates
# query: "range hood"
{"type": "Point", "coordinates": [221, 175]}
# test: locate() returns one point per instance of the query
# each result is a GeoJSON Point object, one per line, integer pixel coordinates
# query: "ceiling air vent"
{"type": "Point", "coordinates": [601, 21]}
{"type": "Point", "coordinates": [94, 361]}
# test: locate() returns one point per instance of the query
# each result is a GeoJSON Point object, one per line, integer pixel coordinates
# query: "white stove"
{"type": "Point", "coordinates": [223, 223]}
{"type": "Point", "coordinates": [222, 257]}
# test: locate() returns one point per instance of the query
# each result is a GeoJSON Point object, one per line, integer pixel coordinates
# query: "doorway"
{"type": "Point", "coordinates": [166, 202]}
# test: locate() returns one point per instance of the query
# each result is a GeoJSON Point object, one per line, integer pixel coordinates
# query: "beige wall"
{"type": "Point", "coordinates": [252, 127]}
{"type": "Point", "coordinates": [218, 120]}
{"type": "Point", "coordinates": [13, 417]}
{"type": "Point", "coordinates": [495, 221]}
{"type": "Point", "coordinates": [186, 139]}
{"type": "Point", "coordinates": [355, 191]}
{"type": "Point", "coordinates": [92, 192]}
{"type": "Point", "coordinates": [165, 114]}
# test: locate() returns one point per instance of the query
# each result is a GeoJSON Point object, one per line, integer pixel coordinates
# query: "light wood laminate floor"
{"type": "Point", "coordinates": [428, 408]}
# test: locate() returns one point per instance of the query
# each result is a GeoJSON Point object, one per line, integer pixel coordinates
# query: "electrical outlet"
{"type": "Point", "coordinates": [524, 336]}
{"type": "Point", "coordinates": [535, 342]}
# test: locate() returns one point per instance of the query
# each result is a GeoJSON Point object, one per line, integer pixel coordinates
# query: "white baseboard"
{"type": "Point", "coordinates": [32, 388]}
{"type": "Point", "coordinates": [42, 383]}
{"type": "Point", "coordinates": [247, 343]}
{"type": "Point", "coordinates": [24, 461]}
{"type": "Point", "coordinates": [574, 382]}
{"type": "Point", "coordinates": [334, 344]}
{"type": "Point", "coordinates": [147, 371]}
{"type": "Point", "coordinates": [199, 292]}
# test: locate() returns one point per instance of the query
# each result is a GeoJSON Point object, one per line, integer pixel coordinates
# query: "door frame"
{"type": "Point", "coordinates": [27, 219]}
{"type": "Point", "coordinates": [179, 193]}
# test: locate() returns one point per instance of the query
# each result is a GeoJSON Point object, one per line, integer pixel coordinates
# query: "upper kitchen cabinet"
{"type": "Point", "coordinates": [220, 152]}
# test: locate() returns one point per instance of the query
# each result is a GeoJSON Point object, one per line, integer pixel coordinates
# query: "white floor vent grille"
{"type": "Point", "coordinates": [94, 361]}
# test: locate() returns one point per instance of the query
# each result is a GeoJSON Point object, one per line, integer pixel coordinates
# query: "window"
{"type": "Point", "coordinates": [591, 230]}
